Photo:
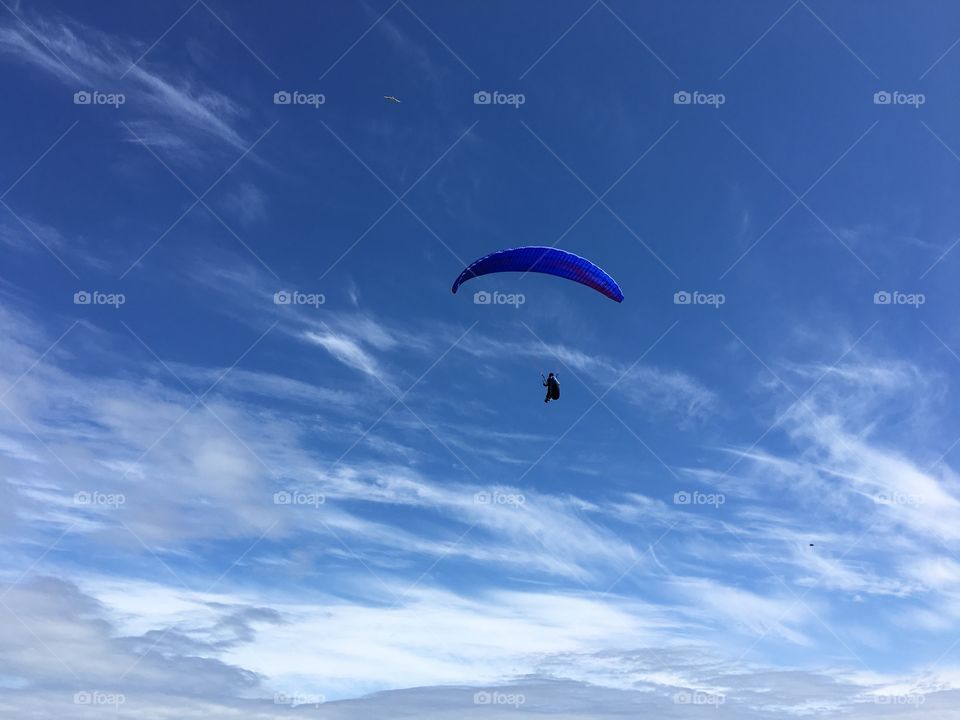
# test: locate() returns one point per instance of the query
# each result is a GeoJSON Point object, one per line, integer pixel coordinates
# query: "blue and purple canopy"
{"type": "Point", "coordinates": [548, 260]}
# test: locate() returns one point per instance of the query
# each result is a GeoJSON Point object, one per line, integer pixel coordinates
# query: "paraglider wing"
{"type": "Point", "coordinates": [547, 260]}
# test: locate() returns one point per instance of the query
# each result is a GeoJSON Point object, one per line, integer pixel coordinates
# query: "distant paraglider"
{"type": "Point", "coordinates": [547, 260]}
{"type": "Point", "coordinates": [552, 385]}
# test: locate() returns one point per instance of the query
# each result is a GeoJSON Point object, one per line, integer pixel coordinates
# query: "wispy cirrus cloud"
{"type": "Point", "coordinates": [643, 384]}
{"type": "Point", "coordinates": [346, 350]}
{"type": "Point", "coordinates": [214, 479]}
{"type": "Point", "coordinates": [150, 439]}
{"type": "Point", "coordinates": [182, 114]}
{"type": "Point", "coordinates": [27, 235]}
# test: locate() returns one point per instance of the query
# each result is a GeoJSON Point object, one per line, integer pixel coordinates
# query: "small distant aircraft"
{"type": "Point", "coordinates": [391, 98]}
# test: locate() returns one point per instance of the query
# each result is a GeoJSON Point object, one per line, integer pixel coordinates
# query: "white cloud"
{"type": "Point", "coordinates": [203, 481]}
{"type": "Point", "coordinates": [646, 386]}
{"type": "Point", "coordinates": [347, 351]}
{"type": "Point", "coordinates": [92, 60]}
{"type": "Point", "coordinates": [176, 653]}
{"type": "Point", "coordinates": [248, 203]}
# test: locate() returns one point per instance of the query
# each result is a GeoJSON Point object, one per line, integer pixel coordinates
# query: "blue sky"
{"type": "Point", "coordinates": [216, 503]}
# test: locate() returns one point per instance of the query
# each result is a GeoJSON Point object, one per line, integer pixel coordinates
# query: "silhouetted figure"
{"type": "Point", "coordinates": [553, 388]}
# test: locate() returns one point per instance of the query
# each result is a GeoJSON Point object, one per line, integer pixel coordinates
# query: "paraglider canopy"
{"type": "Point", "coordinates": [547, 260]}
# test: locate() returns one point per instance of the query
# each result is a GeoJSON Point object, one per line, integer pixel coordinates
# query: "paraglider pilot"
{"type": "Point", "coordinates": [553, 388]}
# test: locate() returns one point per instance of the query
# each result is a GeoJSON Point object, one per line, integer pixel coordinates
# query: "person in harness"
{"type": "Point", "coordinates": [553, 387]}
